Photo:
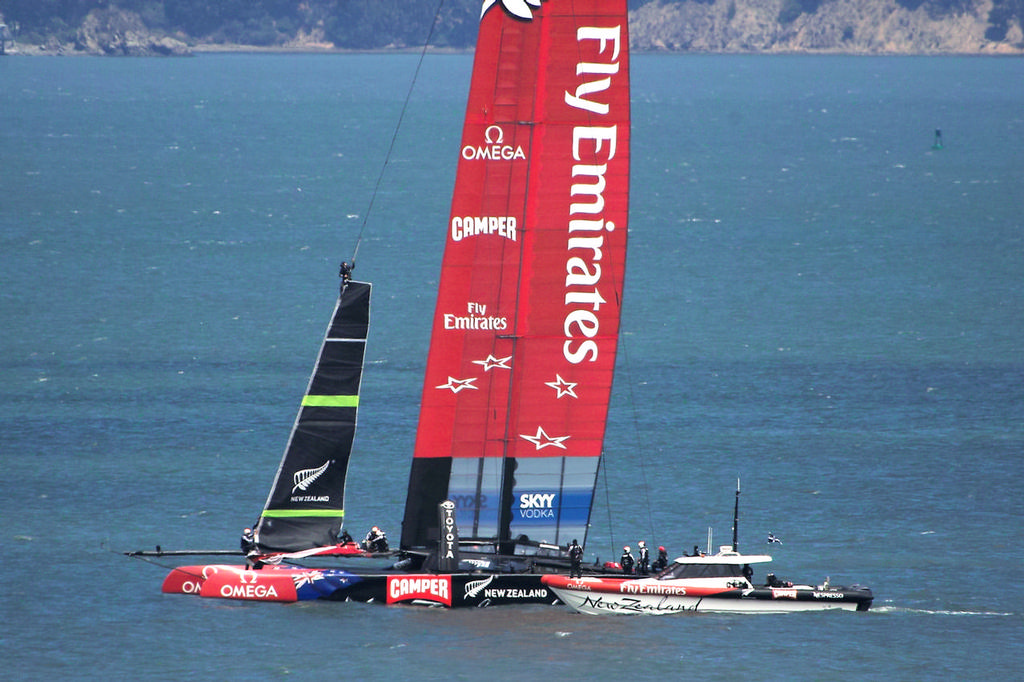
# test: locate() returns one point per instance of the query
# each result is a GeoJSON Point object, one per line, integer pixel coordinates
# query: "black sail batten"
{"type": "Point", "coordinates": [306, 505]}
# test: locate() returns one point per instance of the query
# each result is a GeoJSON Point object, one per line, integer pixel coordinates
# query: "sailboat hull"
{"type": "Point", "coordinates": [290, 584]}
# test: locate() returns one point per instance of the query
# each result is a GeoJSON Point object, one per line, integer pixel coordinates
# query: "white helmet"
{"type": "Point", "coordinates": [626, 548]}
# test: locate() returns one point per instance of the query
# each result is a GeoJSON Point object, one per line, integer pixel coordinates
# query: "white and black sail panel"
{"type": "Point", "coordinates": [306, 506]}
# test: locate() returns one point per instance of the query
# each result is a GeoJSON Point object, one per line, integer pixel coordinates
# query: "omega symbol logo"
{"type": "Point", "coordinates": [494, 135]}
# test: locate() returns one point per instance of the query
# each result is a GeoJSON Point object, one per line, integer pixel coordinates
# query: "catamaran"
{"type": "Point", "coordinates": [519, 371]}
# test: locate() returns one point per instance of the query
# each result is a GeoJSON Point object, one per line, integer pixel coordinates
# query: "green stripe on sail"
{"type": "Point", "coordinates": [331, 401]}
{"type": "Point", "coordinates": [296, 513]}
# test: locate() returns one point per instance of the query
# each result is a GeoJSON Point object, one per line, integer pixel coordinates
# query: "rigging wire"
{"type": "Point", "coordinates": [398, 127]}
{"type": "Point", "coordinates": [641, 460]}
{"type": "Point", "coordinates": [608, 505]}
{"type": "Point", "coordinates": [636, 430]}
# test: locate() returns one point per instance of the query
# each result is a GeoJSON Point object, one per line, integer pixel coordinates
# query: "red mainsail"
{"type": "Point", "coordinates": [522, 352]}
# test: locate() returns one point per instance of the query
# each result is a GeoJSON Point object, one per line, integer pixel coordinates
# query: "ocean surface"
{"type": "Point", "coordinates": [817, 303]}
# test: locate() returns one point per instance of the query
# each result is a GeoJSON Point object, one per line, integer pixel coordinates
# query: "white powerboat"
{"type": "Point", "coordinates": [719, 583]}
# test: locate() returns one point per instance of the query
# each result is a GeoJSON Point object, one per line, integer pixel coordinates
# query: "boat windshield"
{"type": "Point", "coordinates": [701, 571]}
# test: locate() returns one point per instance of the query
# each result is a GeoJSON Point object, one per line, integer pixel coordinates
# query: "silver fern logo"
{"type": "Point", "coordinates": [474, 587]}
{"type": "Point", "coordinates": [304, 478]}
{"type": "Point", "coordinates": [520, 9]}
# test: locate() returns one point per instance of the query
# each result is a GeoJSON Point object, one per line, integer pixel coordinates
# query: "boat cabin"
{"type": "Point", "coordinates": [725, 564]}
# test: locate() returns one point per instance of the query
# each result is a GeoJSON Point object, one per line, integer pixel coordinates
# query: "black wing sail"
{"type": "Point", "coordinates": [306, 506]}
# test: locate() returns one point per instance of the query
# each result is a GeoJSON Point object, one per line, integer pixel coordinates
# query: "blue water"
{"type": "Point", "coordinates": [817, 303]}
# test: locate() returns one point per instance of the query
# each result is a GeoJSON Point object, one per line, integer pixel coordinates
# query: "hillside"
{"type": "Point", "coordinates": [850, 26]}
{"type": "Point", "coordinates": [177, 27]}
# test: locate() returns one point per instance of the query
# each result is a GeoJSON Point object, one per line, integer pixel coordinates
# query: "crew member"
{"type": "Point", "coordinates": [250, 550]}
{"type": "Point", "coordinates": [575, 560]}
{"type": "Point", "coordinates": [661, 563]}
{"type": "Point", "coordinates": [644, 559]}
{"type": "Point", "coordinates": [345, 272]}
{"type": "Point", "coordinates": [627, 561]}
{"type": "Point", "coordinates": [376, 541]}
{"type": "Point", "coordinates": [344, 538]}
{"type": "Point", "coordinates": [248, 542]}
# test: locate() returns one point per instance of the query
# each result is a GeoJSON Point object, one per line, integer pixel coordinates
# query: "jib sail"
{"type": "Point", "coordinates": [306, 505]}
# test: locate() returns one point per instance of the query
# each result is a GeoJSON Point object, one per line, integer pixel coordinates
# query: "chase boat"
{"type": "Point", "coordinates": [722, 583]}
{"type": "Point", "coordinates": [719, 583]}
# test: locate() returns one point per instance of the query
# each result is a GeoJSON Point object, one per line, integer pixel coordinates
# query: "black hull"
{"type": "Point", "coordinates": [861, 596]}
{"type": "Point", "coordinates": [510, 581]}
{"type": "Point", "coordinates": [455, 590]}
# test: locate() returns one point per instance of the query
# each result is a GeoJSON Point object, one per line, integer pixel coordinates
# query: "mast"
{"type": "Point", "coordinates": [736, 519]}
{"type": "Point", "coordinates": [519, 373]}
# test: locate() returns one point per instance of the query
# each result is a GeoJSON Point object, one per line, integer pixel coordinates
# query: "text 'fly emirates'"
{"type": "Point", "coordinates": [587, 225]}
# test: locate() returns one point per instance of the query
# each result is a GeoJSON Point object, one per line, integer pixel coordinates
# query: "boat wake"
{"type": "Point", "coordinates": [940, 612]}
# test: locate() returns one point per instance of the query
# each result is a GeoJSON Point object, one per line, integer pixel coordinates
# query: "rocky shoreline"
{"type": "Point", "coordinates": [868, 27]}
{"type": "Point", "coordinates": [835, 27]}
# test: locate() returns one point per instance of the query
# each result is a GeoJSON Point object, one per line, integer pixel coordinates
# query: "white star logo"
{"type": "Point", "coordinates": [456, 385]}
{"type": "Point", "coordinates": [542, 440]}
{"type": "Point", "coordinates": [563, 387]}
{"type": "Point", "coordinates": [491, 362]}
{"type": "Point", "coordinates": [517, 8]}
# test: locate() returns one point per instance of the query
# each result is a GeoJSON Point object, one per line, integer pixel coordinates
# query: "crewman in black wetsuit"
{"type": "Point", "coordinates": [575, 560]}
{"type": "Point", "coordinates": [627, 561]}
{"type": "Point", "coordinates": [376, 540]}
{"type": "Point", "coordinates": [249, 549]}
{"type": "Point", "coordinates": [644, 560]}
{"type": "Point", "coordinates": [248, 542]}
{"type": "Point", "coordinates": [345, 272]}
{"type": "Point", "coordinates": [662, 561]}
